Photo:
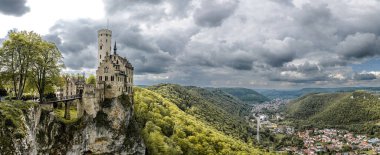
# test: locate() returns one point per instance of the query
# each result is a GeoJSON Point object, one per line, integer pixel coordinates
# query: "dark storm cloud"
{"type": "Point", "coordinates": [364, 76]}
{"type": "Point", "coordinates": [304, 68]}
{"type": "Point", "coordinates": [212, 13]}
{"type": "Point", "coordinates": [133, 39]}
{"type": "Point", "coordinates": [359, 46]}
{"type": "Point", "coordinates": [237, 43]}
{"type": "Point", "coordinates": [13, 7]}
{"type": "Point", "coordinates": [80, 51]}
{"type": "Point", "coordinates": [284, 2]}
{"type": "Point", "coordinates": [77, 42]}
{"type": "Point", "coordinates": [241, 64]}
{"type": "Point", "coordinates": [147, 9]}
{"type": "Point", "coordinates": [277, 60]}
{"type": "Point", "coordinates": [314, 15]}
{"type": "Point", "coordinates": [155, 63]}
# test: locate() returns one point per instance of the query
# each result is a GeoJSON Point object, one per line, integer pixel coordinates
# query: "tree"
{"type": "Point", "coordinates": [16, 58]}
{"type": "Point", "coordinates": [91, 79]}
{"type": "Point", "coordinates": [46, 67]}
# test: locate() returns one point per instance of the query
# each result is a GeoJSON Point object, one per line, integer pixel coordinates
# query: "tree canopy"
{"type": "Point", "coordinates": [29, 61]}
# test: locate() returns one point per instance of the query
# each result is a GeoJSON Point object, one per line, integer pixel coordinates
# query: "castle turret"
{"type": "Point", "coordinates": [104, 44]}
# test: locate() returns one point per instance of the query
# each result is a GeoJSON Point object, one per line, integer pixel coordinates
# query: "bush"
{"type": "Point", "coordinates": [27, 97]}
{"type": "Point", "coordinates": [50, 96]}
{"type": "Point", "coordinates": [3, 92]}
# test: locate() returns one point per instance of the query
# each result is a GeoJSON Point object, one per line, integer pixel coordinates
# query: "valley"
{"type": "Point", "coordinates": [332, 122]}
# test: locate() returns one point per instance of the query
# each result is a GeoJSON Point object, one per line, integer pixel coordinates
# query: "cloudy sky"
{"type": "Point", "coordinates": [229, 43]}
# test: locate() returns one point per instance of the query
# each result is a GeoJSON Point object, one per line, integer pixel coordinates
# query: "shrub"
{"type": "Point", "coordinates": [3, 92]}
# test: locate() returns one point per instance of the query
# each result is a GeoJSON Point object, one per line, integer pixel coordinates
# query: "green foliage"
{"type": "Point", "coordinates": [169, 130]}
{"type": "Point", "coordinates": [91, 79]}
{"type": "Point", "coordinates": [29, 63]}
{"type": "Point", "coordinates": [359, 111]}
{"type": "Point", "coordinates": [3, 92]}
{"type": "Point", "coordinates": [213, 107]}
{"type": "Point", "coordinates": [246, 95]}
{"type": "Point", "coordinates": [12, 126]}
{"type": "Point", "coordinates": [60, 113]}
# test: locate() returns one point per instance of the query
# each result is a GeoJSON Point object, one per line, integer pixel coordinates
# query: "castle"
{"type": "Point", "coordinates": [114, 74]}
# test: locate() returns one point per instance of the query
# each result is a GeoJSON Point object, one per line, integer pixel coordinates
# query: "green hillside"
{"type": "Point", "coordinates": [348, 110]}
{"type": "Point", "coordinates": [213, 107]}
{"type": "Point", "coordinates": [169, 130]}
{"type": "Point", "coordinates": [246, 95]}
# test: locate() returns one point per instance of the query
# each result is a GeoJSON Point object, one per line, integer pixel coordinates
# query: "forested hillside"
{"type": "Point", "coordinates": [167, 129]}
{"type": "Point", "coordinates": [347, 110]}
{"type": "Point", "coordinates": [246, 95]}
{"type": "Point", "coordinates": [213, 107]}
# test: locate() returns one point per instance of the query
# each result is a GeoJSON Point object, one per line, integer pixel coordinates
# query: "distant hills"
{"type": "Point", "coordinates": [246, 95]}
{"type": "Point", "coordinates": [292, 94]}
{"type": "Point", "coordinates": [357, 110]}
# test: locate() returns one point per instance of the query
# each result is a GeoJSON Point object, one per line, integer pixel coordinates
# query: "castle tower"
{"type": "Point", "coordinates": [104, 44]}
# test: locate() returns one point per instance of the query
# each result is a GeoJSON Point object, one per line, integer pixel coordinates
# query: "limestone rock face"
{"type": "Point", "coordinates": [107, 129]}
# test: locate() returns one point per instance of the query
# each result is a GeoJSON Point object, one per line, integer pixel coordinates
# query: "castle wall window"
{"type": "Point", "coordinates": [100, 56]}
{"type": "Point", "coordinates": [106, 40]}
{"type": "Point", "coordinates": [100, 47]}
{"type": "Point", "coordinates": [106, 78]}
{"type": "Point", "coordinates": [112, 78]}
{"type": "Point", "coordinates": [100, 78]}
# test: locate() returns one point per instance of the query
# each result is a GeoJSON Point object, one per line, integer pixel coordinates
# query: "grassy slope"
{"type": "Point", "coordinates": [215, 107]}
{"type": "Point", "coordinates": [169, 130]}
{"type": "Point", "coordinates": [246, 95]}
{"type": "Point", "coordinates": [336, 108]}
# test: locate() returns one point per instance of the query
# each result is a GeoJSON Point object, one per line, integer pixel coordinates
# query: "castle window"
{"type": "Point", "coordinates": [101, 34]}
{"type": "Point", "coordinates": [106, 40]}
{"type": "Point", "coordinates": [105, 69]}
{"type": "Point", "coordinates": [100, 56]}
{"type": "Point", "coordinates": [112, 78]}
{"type": "Point", "coordinates": [100, 78]}
{"type": "Point", "coordinates": [100, 47]}
{"type": "Point", "coordinates": [117, 62]}
{"type": "Point", "coordinates": [106, 78]}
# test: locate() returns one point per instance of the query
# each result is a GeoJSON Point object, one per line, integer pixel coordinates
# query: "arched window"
{"type": "Point", "coordinates": [100, 46]}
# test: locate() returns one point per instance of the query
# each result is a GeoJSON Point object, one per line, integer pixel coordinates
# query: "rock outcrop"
{"type": "Point", "coordinates": [105, 128]}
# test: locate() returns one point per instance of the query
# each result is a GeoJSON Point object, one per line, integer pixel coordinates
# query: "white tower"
{"type": "Point", "coordinates": [257, 127]}
{"type": "Point", "coordinates": [104, 44]}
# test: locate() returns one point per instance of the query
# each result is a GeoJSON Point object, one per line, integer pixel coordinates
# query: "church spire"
{"type": "Point", "coordinates": [114, 49]}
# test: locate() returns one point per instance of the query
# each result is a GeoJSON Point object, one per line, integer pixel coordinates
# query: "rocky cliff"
{"type": "Point", "coordinates": [105, 128]}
